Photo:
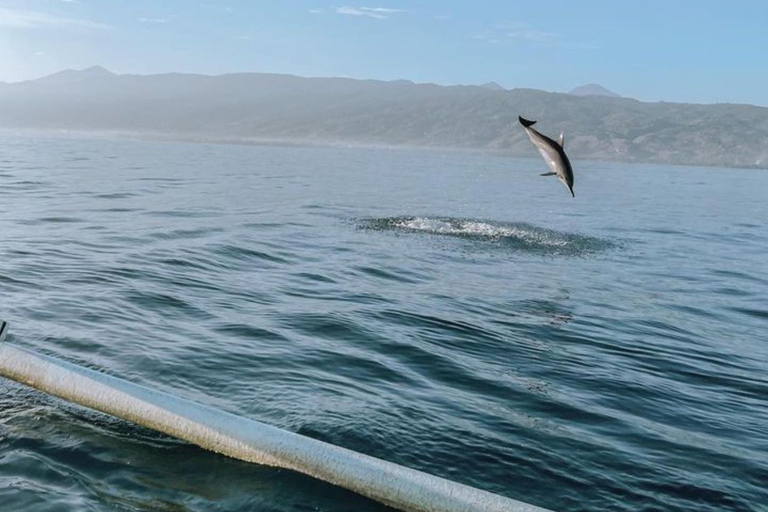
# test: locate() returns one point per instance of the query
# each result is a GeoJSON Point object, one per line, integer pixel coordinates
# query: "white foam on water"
{"type": "Point", "coordinates": [480, 229]}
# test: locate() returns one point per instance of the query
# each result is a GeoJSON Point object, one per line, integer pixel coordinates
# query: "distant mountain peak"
{"type": "Point", "coordinates": [70, 75]}
{"type": "Point", "coordinates": [96, 70]}
{"type": "Point", "coordinates": [593, 90]}
{"type": "Point", "coordinates": [492, 86]}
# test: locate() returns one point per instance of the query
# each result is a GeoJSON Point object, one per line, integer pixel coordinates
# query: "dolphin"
{"type": "Point", "coordinates": [553, 153]}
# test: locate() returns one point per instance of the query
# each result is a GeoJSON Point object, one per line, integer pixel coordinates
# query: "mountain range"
{"type": "Point", "coordinates": [269, 108]}
{"type": "Point", "coordinates": [593, 90]}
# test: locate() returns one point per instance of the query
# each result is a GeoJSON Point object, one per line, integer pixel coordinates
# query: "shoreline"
{"type": "Point", "coordinates": [191, 138]}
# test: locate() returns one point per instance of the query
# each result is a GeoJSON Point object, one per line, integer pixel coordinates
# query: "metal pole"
{"type": "Point", "coordinates": [397, 486]}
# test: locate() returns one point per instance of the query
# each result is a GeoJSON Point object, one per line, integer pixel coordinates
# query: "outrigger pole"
{"type": "Point", "coordinates": [397, 486]}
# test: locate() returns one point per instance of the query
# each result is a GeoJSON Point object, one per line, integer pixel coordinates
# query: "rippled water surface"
{"type": "Point", "coordinates": [452, 312]}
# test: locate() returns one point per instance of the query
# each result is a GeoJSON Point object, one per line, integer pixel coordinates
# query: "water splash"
{"type": "Point", "coordinates": [519, 236]}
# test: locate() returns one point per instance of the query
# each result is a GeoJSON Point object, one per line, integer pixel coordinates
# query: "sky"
{"type": "Point", "coordinates": [674, 50]}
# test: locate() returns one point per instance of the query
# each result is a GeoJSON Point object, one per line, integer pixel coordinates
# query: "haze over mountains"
{"type": "Point", "coordinates": [255, 107]}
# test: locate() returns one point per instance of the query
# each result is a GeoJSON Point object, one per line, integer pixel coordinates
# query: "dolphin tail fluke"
{"type": "Point", "coordinates": [526, 122]}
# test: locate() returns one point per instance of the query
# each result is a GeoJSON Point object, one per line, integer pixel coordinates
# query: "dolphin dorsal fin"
{"type": "Point", "coordinates": [561, 140]}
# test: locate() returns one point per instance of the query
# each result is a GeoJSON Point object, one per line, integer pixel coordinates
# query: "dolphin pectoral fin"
{"type": "Point", "coordinates": [548, 174]}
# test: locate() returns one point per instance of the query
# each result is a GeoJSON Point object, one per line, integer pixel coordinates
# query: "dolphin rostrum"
{"type": "Point", "coordinates": [553, 153]}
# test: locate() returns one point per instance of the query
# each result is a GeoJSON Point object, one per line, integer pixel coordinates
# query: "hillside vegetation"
{"type": "Point", "coordinates": [267, 107]}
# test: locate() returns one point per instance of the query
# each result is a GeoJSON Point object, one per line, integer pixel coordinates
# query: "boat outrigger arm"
{"type": "Point", "coordinates": [397, 486]}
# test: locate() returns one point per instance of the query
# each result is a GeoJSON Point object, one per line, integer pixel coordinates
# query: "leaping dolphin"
{"type": "Point", "coordinates": [553, 153]}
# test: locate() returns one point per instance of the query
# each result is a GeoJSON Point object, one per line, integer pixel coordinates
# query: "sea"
{"type": "Point", "coordinates": [450, 311]}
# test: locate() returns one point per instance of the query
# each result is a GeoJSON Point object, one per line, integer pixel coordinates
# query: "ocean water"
{"type": "Point", "coordinates": [449, 311]}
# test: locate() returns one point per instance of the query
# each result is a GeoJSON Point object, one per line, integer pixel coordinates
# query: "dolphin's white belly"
{"type": "Point", "coordinates": [548, 158]}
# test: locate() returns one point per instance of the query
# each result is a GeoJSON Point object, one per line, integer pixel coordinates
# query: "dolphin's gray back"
{"type": "Point", "coordinates": [553, 154]}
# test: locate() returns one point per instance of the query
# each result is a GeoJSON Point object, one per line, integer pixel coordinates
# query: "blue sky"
{"type": "Point", "coordinates": [674, 50]}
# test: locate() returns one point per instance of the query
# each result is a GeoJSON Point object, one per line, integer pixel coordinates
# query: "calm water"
{"type": "Point", "coordinates": [452, 312]}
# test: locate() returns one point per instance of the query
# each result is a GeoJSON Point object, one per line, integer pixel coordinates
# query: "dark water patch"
{"type": "Point", "coordinates": [128, 273]}
{"type": "Point", "coordinates": [249, 332]}
{"type": "Point", "coordinates": [174, 262]}
{"type": "Point", "coordinates": [54, 220]}
{"type": "Point", "coordinates": [451, 331]}
{"type": "Point", "coordinates": [668, 344]}
{"type": "Point", "coordinates": [186, 233]}
{"type": "Point", "coordinates": [246, 254]}
{"type": "Point", "coordinates": [761, 314]}
{"type": "Point", "coordinates": [336, 294]}
{"type": "Point", "coordinates": [263, 225]}
{"type": "Point", "coordinates": [85, 277]}
{"type": "Point", "coordinates": [399, 276]}
{"type": "Point", "coordinates": [20, 284]}
{"type": "Point", "coordinates": [364, 298]}
{"type": "Point", "coordinates": [183, 213]}
{"type": "Point", "coordinates": [116, 195]}
{"type": "Point", "coordinates": [511, 236]}
{"type": "Point", "coordinates": [155, 179]}
{"type": "Point", "coordinates": [191, 283]}
{"type": "Point", "coordinates": [749, 277]}
{"type": "Point", "coordinates": [686, 493]}
{"type": "Point", "coordinates": [328, 327]}
{"type": "Point", "coordinates": [314, 277]}
{"type": "Point", "coordinates": [115, 210]}
{"type": "Point", "coordinates": [244, 299]}
{"type": "Point", "coordinates": [731, 383]}
{"type": "Point", "coordinates": [665, 231]}
{"type": "Point", "coordinates": [437, 367]}
{"type": "Point", "coordinates": [19, 253]}
{"type": "Point", "coordinates": [732, 291]}
{"type": "Point", "coordinates": [165, 304]}
{"type": "Point", "coordinates": [186, 263]}
{"type": "Point", "coordinates": [30, 183]}
{"type": "Point", "coordinates": [666, 329]}
{"type": "Point", "coordinates": [542, 310]}
{"type": "Point", "coordinates": [358, 367]}
{"type": "Point", "coordinates": [693, 310]}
